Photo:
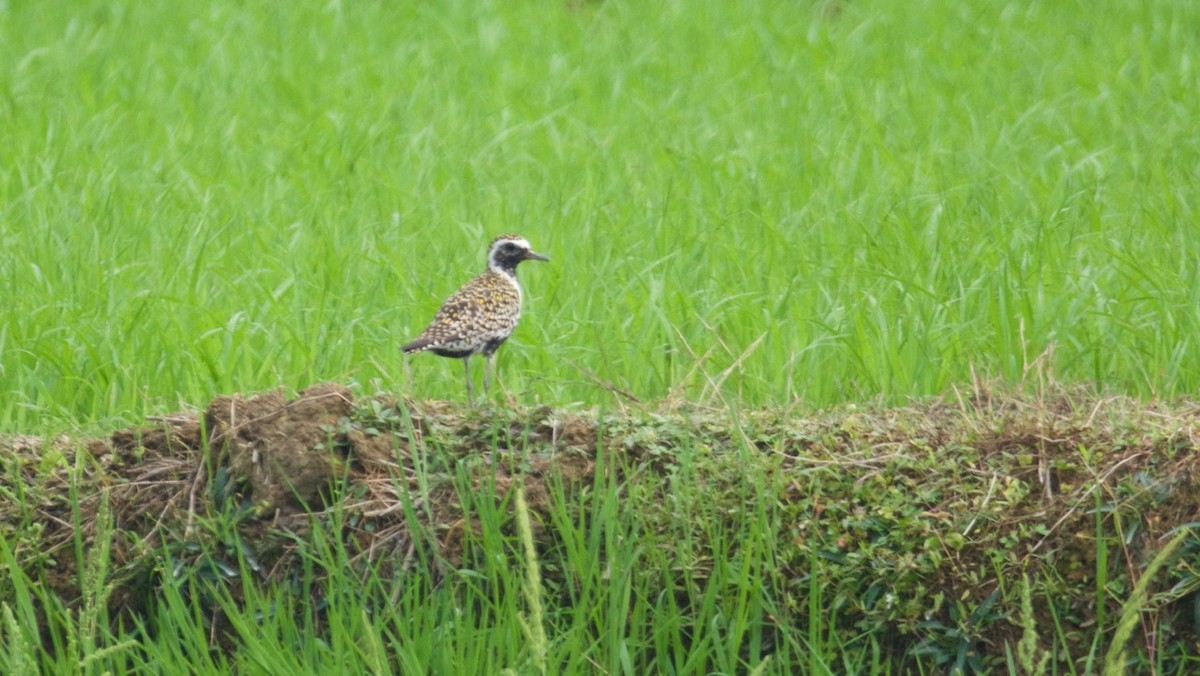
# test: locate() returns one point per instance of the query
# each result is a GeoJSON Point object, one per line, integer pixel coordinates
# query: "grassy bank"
{"type": "Point", "coordinates": [987, 532]}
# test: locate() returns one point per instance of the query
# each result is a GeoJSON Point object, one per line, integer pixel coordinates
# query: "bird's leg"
{"type": "Point", "coordinates": [488, 366]}
{"type": "Point", "coordinates": [470, 390]}
{"type": "Point", "coordinates": [491, 366]}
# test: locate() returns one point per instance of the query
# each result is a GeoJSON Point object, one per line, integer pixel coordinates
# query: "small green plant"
{"type": "Point", "coordinates": [532, 623]}
{"type": "Point", "coordinates": [1135, 605]}
{"type": "Point", "coordinates": [955, 645]}
{"type": "Point", "coordinates": [1032, 658]}
{"type": "Point", "coordinates": [18, 655]}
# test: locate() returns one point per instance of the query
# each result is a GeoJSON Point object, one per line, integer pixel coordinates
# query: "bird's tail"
{"type": "Point", "coordinates": [417, 345]}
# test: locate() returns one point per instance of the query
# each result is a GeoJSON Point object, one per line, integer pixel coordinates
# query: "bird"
{"type": "Point", "coordinates": [482, 314]}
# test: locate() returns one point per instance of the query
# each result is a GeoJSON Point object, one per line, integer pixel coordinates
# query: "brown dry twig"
{"type": "Point", "coordinates": [605, 384]}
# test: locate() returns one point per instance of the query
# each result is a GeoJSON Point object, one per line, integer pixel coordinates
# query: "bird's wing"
{"type": "Point", "coordinates": [458, 312]}
{"type": "Point", "coordinates": [473, 309]}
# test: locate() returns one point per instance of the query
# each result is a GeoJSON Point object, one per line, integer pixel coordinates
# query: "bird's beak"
{"type": "Point", "coordinates": [535, 256]}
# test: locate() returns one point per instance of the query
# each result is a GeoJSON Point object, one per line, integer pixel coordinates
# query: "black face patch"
{"type": "Point", "coordinates": [508, 255]}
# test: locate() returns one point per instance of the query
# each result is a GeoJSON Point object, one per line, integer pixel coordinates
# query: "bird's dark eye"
{"type": "Point", "coordinates": [509, 246]}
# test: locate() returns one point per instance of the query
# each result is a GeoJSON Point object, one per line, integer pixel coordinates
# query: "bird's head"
{"type": "Point", "coordinates": [509, 250]}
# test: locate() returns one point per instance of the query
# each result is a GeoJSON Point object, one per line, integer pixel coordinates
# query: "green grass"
{"type": "Point", "coordinates": [870, 539]}
{"type": "Point", "coordinates": [746, 203]}
{"type": "Point", "coordinates": [621, 596]}
{"type": "Point", "coordinates": [217, 197]}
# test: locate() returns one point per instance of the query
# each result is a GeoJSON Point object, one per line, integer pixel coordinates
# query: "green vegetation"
{"type": "Point", "coordinates": [1043, 535]}
{"type": "Point", "coordinates": [825, 201]}
{"type": "Point", "coordinates": [789, 205]}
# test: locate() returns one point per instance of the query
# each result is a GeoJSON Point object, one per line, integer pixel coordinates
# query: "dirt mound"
{"type": "Point", "coordinates": [278, 446]}
{"type": "Point", "coordinates": [275, 461]}
{"type": "Point", "coordinates": [946, 501]}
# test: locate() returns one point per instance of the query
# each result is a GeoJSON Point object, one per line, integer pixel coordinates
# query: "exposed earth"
{"type": "Point", "coordinates": [955, 496]}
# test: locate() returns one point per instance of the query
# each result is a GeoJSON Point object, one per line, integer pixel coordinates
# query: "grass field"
{"type": "Point", "coordinates": [231, 196]}
{"type": "Point", "coordinates": [746, 204]}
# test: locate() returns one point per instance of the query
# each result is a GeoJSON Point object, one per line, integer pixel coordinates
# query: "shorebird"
{"type": "Point", "coordinates": [481, 315]}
